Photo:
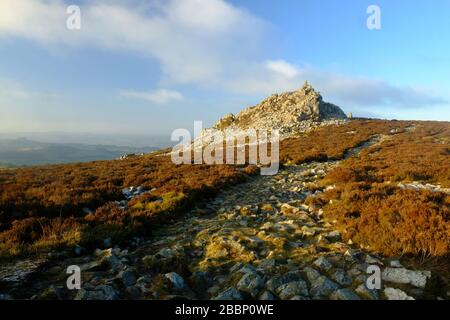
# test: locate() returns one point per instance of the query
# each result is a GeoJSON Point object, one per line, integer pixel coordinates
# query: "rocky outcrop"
{"type": "Point", "coordinates": [290, 112]}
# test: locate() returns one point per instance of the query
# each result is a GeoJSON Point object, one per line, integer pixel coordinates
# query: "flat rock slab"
{"type": "Point", "coordinates": [18, 272]}
{"type": "Point", "coordinates": [405, 276]}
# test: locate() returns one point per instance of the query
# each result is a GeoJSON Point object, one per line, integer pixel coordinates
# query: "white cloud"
{"type": "Point", "coordinates": [194, 41]}
{"type": "Point", "coordinates": [161, 96]}
{"type": "Point", "coordinates": [208, 43]}
{"type": "Point", "coordinates": [279, 75]}
{"type": "Point", "coordinates": [282, 68]}
{"type": "Point", "coordinates": [11, 90]}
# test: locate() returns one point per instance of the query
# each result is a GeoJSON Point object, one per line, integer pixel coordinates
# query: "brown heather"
{"type": "Point", "coordinates": [42, 207]}
{"type": "Point", "coordinates": [373, 211]}
{"type": "Point", "coordinates": [38, 204]}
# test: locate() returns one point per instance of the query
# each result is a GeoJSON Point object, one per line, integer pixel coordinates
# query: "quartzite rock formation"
{"type": "Point", "coordinates": [290, 112]}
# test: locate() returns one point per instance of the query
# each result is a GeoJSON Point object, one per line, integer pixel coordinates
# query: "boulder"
{"type": "Point", "coordinates": [291, 289]}
{"type": "Point", "coordinates": [396, 294]}
{"type": "Point", "coordinates": [405, 276]}
{"type": "Point", "coordinates": [176, 280]}
{"type": "Point", "coordinates": [229, 294]}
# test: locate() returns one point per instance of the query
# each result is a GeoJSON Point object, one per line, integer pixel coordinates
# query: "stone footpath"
{"type": "Point", "coordinates": [257, 240]}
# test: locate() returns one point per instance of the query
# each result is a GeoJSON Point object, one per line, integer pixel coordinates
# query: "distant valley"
{"type": "Point", "coordinates": [25, 152]}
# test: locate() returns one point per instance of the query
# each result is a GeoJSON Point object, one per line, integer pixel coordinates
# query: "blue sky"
{"type": "Point", "coordinates": [148, 67]}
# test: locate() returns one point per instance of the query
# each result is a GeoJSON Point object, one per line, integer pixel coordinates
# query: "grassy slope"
{"type": "Point", "coordinates": [375, 212]}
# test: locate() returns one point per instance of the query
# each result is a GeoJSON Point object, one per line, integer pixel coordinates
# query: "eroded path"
{"type": "Point", "coordinates": [256, 240]}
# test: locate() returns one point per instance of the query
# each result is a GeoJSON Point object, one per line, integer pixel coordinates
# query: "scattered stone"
{"type": "Point", "coordinates": [107, 243]}
{"type": "Point", "coordinates": [247, 269]}
{"type": "Point", "coordinates": [396, 294]}
{"type": "Point", "coordinates": [341, 277]}
{"type": "Point", "coordinates": [19, 272]}
{"type": "Point", "coordinates": [287, 209]}
{"type": "Point", "coordinates": [311, 274]}
{"type": "Point", "coordinates": [333, 236]}
{"type": "Point", "coordinates": [166, 253]}
{"type": "Point", "coordinates": [322, 287]}
{"type": "Point", "coordinates": [344, 294]}
{"type": "Point", "coordinates": [128, 278]}
{"type": "Point", "coordinates": [395, 264]}
{"type": "Point", "coordinates": [266, 265]}
{"type": "Point", "coordinates": [78, 250]}
{"type": "Point", "coordinates": [250, 283]}
{"type": "Point", "coordinates": [291, 289]}
{"type": "Point", "coordinates": [323, 264]}
{"type": "Point", "coordinates": [134, 292]}
{"type": "Point", "coordinates": [372, 260]}
{"type": "Point", "coordinates": [176, 280]}
{"type": "Point", "coordinates": [266, 295]}
{"type": "Point", "coordinates": [368, 294]}
{"type": "Point", "coordinates": [149, 261]}
{"type": "Point", "coordinates": [229, 294]}
{"type": "Point", "coordinates": [405, 276]}
{"type": "Point", "coordinates": [275, 282]}
{"type": "Point", "coordinates": [102, 292]}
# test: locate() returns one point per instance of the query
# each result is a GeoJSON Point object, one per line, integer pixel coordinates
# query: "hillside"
{"type": "Point", "coordinates": [26, 152]}
{"type": "Point", "coordinates": [350, 193]}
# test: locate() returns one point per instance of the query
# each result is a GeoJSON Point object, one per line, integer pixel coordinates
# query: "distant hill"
{"type": "Point", "coordinates": [25, 152]}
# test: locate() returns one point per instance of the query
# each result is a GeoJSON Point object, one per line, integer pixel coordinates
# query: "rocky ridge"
{"type": "Point", "coordinates": [290, 112]}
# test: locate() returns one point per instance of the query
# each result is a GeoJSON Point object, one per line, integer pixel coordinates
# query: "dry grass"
{"type": "Point", "coordinates": [35, 203]}
{"type": "Point", "coordinates": [332, 143]}
{"type": "Point", "coordinates": [42, 207]}
{"type": "Point", "coordinates": [373, 211]}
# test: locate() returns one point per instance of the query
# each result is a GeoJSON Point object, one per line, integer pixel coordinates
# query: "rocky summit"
{"type": "Point", "coordinates": [290, 112]}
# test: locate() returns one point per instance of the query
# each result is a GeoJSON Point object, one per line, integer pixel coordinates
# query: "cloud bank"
{"type": "Point", "coordinates": [161, 96]}
{"type": "Point", "coordinates": [202, 43]}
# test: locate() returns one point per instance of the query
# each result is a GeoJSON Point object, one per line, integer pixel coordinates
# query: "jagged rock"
{"type": "Point", "coordinates": [107, 257]}
{"type": "Point", "coordinates": [341, 277]}
{"type": "Point", "coordinates": [128, 278]}
{"type": "Point", "coordinates": [103, 292]}
{"type": "Point", "coordinates": [373, 260]}
{"type": "Point", "coordinates": [405, 276]}
{"type": "Point", "coordinates": [266, 265]}
{"type": "Point", "coordinates": [166, 253]}
{"type": "Point", "coordinates": [51, 293]}
{"type": "Point", "coordinates": [18, 272]}
{"type": "Point", "coordinates": [344, 294]}
{"type": "Point", "coordinates": [296, 111]}
{"type": "Point", "coordinates": [287, 209]}
{"type": "Point", "coordinates": [250, 283]}
{"type": "Point", "coordinates": [365, 293]}
{"type": "Point", "coordinates": [266, 295]}
{"type": "Point", "coordinates": [323, 264]}
{"type": "Point", "coordinates": [134, 292]}
{"type": "Point", "coordinates": [176, 280]}
{"type": "Point", "coordinates": [311, 274]}
{"type": "Point", "coordinates": [229, 294]}
{"type": "Point", "coordinates": [396, 294]}
{"type": "Point", "coordinates": [333, 236]}
{"type": "Point", "coordinates": [291, 289]}
{"type": "Point", "coordinates": [322, 287]}
{"type": "Point", "coordinates": [225, 122]}
{"type": "Point", "coordinates": [395, 264]}
{"type": "Point", "coordinates": [274, 283]}
{"type": "Point", "coordinates": [247, 269]}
